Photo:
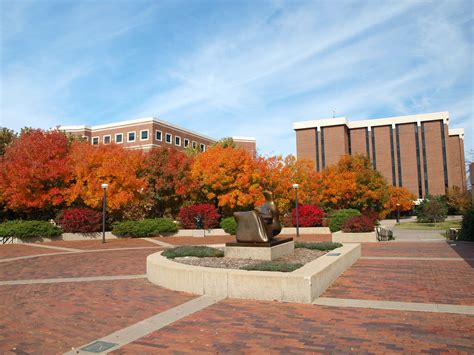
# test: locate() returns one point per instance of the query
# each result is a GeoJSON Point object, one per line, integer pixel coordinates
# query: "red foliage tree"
{"type": "Point", "coordinates": [168, 177]}
{"type": "Point", "coordinates": [34, 172]}
{"type": "Point", "coordinates": [308, 216]}
{"type": "Point", "coordinates": [358, 224]}
{"type": "Point", "coordinates": [206, 213]}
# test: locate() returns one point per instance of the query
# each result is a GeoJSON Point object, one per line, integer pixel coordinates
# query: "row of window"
{"type": "Point", "coordinates": [144, 136]}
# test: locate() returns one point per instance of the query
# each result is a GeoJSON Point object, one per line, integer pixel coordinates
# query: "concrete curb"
{"type": "Point", "coordinates": [302, 285]}
{"type": "Point", "coordinates": [341, 237]}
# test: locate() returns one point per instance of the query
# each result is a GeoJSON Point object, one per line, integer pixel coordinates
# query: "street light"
{"type": "Point", "coordinates": [398, 213]}
{"type": "Point", "coordinates": [295, 186]}
{"type": "Point", "coordinates": [104, 207]}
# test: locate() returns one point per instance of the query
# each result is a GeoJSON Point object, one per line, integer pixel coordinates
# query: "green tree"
{"type": "Point", "coordinates": [7, 136]}
{"type": "Point", "coordinates": [431, 210]}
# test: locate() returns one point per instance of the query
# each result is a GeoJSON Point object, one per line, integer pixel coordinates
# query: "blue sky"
{"type": "Point", "coordinates": [235, 68]}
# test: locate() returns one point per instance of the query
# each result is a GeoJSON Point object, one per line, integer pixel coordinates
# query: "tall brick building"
{"type": "Point", "coordinates": [418, 152]}
{"type": "Point", "coordinates": [147, 133]}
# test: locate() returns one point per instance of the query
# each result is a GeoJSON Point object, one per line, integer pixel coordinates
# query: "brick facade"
{"type": "Point", "coordinates": [418, 152]}
{"type": "Point", "coordinates": [147, 133]}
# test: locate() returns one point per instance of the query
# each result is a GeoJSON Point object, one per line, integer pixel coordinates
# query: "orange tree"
{"type": "Point", "coordinates": [228, 177]}
{"type": "Point", "coordinates": [279, 174]}
{"type": "Point", "coordinates": [121, 169]}
{"type": "Point", "coordinates": [353, 183]}
{"type": "Point", "coordinates": [401, 196]}
{"type": "Point", "coordinates": [34, 173]}
{"type": "Point", "coordinates": [169, 180]}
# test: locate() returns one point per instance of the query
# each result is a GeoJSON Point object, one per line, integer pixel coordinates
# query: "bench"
{"type": "Point", "coordinates": [383, 234]}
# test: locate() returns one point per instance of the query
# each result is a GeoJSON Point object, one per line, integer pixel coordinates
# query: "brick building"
{"type": "Point", "coordinates": [147, 133]}
{"type": "Point", "coordinates": [418, 152]}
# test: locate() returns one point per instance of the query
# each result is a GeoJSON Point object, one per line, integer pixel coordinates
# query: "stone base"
{"type": "Point", "coordinates": [259, 252]}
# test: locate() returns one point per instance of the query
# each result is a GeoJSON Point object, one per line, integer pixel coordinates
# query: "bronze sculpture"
{"type": "Point", "coordinates": [259, 225]}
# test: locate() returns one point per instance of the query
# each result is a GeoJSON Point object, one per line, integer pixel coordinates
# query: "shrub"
{"type": "Point", "coordinates": [80, 220]}
{"type": "Point", "coordinates": [229, 225]}
{"type": "Point", "coordinates": [467, 227]}
{"type": "Point", "coordinates": [324, 246]}
{"type": "Point", "coordinates": [431, 210]}
{"type": "Point", "coordinates": [337, 218]}
{"type": "Point", "coordinates": [144, 228]}
{"type": "Point", "coordinates": [272, 266]}
{"type": "Point", "coordinates": [308, 216]}
{"type": "Point", "coordinates": [358, 224]}
{"type": "Point", "coordinates": [29, 229]}
{"type": "Point", "coordinates": [188, 214]}
{"type": "Point", "coordinates": [198, 251]}
{"type": "Point", "coordinates": [372, 215]}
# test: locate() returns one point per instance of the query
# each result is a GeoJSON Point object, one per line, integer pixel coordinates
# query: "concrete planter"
{"type": "Point", "coordinates": [302, 285]}
{"type": "Point", "coordinates": [341, 237]}
{"type": "Point", "coordinates": [68, 237]}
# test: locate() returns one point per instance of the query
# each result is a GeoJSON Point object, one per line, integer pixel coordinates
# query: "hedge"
{"type": "Point", "coordinates": [144, 228]}
{"type": "Point", "coordinates": [197, 251]}
{"type": "Point", "coordinates": [29, 229]}
{"type": "Point", "coordinates": [229, 225]}
{"type": "Point", "coordinates": [337, 218]}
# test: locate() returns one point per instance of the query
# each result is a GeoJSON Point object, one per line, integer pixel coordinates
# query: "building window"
{"type": "Point", "coordinates": [177, 141]}
{"type": "Point", "coordinates": [194, 145]}
{"type": "Point", "coordinates": [95, 140]}
{"type": "Point", "coordinates": [418, 162]}
{"type": "Point", "coordinates": [317, 149]}
{"type": "Point", "coordinates": [323, 157]}
{"type": "Point", "coordinates": [374, 157]}
{"type": "Point", "coordinates": [119, 138]}
{"type": "Point", "coordinates": [85, 138]}
{"type": "Point", "coordinates": [144, 135]}
{"type": "Point", "coordinates": [158, 136]}
{"type": "Point", "coordinates": [392, 152]}
{"type": "Point", "coordinates": [367, 145]}
{"type": "Point", "coordinates": [186, 142]}
{"type": "Point", "coordinates": [168, 138]}
{"type": "Point", "coordinates": [445, 164]}
{"type": "Point", "coordinates": [425, 163]}
{"type": "Point", "coordinates": [131, 137]}
{"type": "Point", "coordinates": [107, 139]}
{"type": "Point", "coordinates": [349, 142]}
{"type": "Point", "coordinates": [202, 147]}
{"type": "Point", "coordinates": [399, 159]}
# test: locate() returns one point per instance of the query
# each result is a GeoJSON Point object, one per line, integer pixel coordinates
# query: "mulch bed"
{"type": "Point", "coordinates": [300, 256]}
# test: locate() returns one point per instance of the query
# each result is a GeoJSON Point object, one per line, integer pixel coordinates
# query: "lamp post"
{"type": "Point", "coordinates": [295, 186]}
{"type": "Point", "coordinates": [104, 208]}
{"type": "Point", "coordinates": [398, 213]}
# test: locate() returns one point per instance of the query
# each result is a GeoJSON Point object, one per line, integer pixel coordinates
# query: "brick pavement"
{"type": "Point", "coordinates": [407, 281]}
{"type": "Point", "coordinates": [120, 262]}
{"type": "Point", "coordinates": [14, 250]}
{"type": "Point", "coordinates": [241, 326]}
{"type": "Point", "coordinates": [52, 318]}
{"type": "Point", "coordinates": [423, 249]}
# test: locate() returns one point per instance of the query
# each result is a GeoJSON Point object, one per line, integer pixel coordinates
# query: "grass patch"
{"type": "Point", "coordinates": [272, 266]}
{"type": "Point", "coordinates": [324, 246]}
{"type": "Point", "coordinates": [198, 251]}
{"type": "Point", "coordinates": [429, 226]}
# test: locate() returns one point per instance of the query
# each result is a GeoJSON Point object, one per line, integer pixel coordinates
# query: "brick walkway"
{"type": "Point", "coordinates": [53, 318]}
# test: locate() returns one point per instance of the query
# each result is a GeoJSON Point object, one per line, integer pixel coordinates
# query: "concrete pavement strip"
{"type": "Point", "coordinates": [413, 258]}
{"type": "Point", "coordinates": [398, 306]}
{"type": "Point", "coordinates": [72, 279]}
{"type": "Point", "coordinates": [138, 330]}
{"type": "Point", "coordinates": [50, 247]}
{"type": "Point", "coordinates": [159, 242]}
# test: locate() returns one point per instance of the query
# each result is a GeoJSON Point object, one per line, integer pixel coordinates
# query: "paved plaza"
{"type": "Point", "coordinates": [398, 297]}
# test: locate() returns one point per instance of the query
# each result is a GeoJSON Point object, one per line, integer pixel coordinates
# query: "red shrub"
{"type": "Point", "coordinates": [188, 214]}
{"type": "Point", "coordinates": [372, 215]}
{"type": "Point", "coordinates": [308, 216]}
{"type": "Point", "coordinates": [358, 224]}
{"type": "Point", "coordinates": [80, 220]}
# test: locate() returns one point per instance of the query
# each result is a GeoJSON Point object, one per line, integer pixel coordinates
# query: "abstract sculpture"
{"type": "Point", "coordinates": [259, 225]}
